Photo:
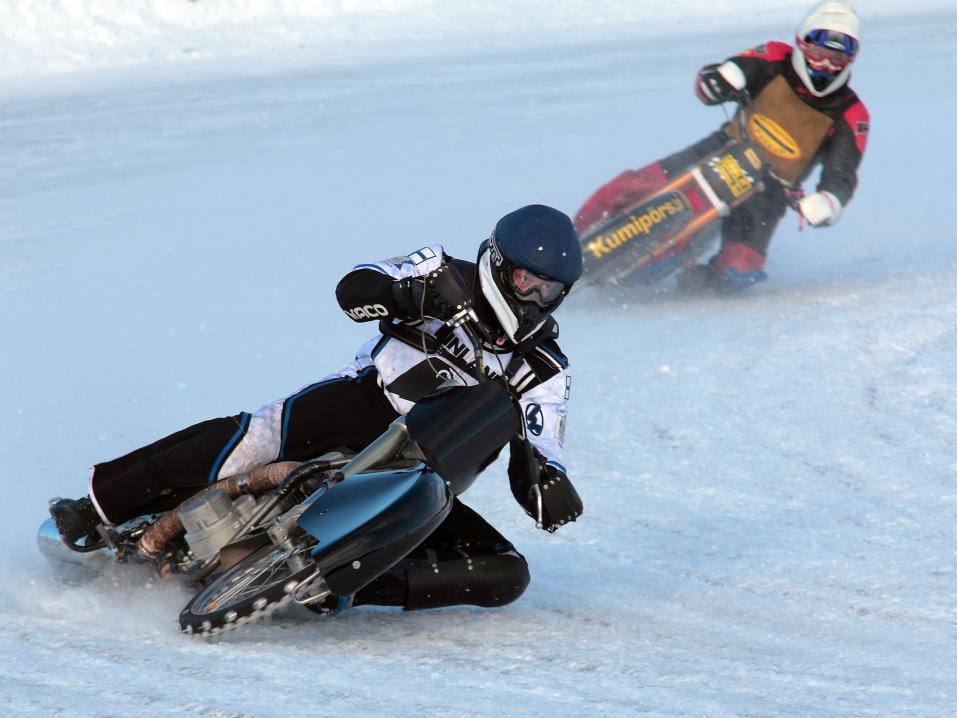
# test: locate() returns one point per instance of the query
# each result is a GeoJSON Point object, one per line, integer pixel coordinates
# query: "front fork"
{"type": "Point", "coordinates": [286, 534]}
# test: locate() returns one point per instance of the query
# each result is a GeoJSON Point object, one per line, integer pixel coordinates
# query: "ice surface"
{"type": "Point", "coordinates": [769, 480]}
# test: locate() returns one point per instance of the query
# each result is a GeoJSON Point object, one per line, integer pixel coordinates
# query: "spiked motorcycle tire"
{"type": "Point", "coordinates": [249, 590]}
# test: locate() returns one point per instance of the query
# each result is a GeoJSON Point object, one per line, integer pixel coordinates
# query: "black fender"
{"type": "Point", "coordinates": [369, 521]}
{"type": "Point", "coordinates": [461, 429]}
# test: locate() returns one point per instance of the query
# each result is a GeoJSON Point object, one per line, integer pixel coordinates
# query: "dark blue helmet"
{"type": "Point", "coordinates": [528, 266]}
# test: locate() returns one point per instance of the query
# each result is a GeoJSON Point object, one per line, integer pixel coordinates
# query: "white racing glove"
{"type": "Point", "coordinates": [820, 209]}
{"type": "Point", "coordinates": [720, 83]}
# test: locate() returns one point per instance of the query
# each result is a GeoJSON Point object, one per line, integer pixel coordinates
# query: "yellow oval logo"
{"type": "Point", "coordinates": [772, 137]}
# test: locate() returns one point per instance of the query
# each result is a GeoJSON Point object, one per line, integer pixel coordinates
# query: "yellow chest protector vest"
{"type": "Point", "coordinates": [788, 132]}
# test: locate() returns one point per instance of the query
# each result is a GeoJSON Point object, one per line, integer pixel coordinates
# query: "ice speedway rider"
{"type": "Point", "coordinates": [522, 274]}
{"type": "Point", "coordinates": [801, 112]}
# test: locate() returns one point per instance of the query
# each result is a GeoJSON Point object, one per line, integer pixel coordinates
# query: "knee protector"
{"type": "Point", "coordinates": [489, 581]}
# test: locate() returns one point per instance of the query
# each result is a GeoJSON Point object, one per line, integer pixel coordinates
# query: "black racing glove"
{"type": "Point", "coordinates": [714, 88]}
{"type": "Point", "coordinates": [440, 294]}
{"type": "Point", "coordinates": [539, 489]}
{"type": "Point", "coordinates": [561, 504]}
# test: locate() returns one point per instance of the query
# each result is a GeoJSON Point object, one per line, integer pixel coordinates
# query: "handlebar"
{"type": "Point", "coordinates": [743, 100]}
{"type": "Point", "coordinates": [468, 320]}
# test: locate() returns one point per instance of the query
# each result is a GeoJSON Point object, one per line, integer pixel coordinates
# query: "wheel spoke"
{"type": "Point", "coordinates": [252, 588]}
{"type": "Point", "coordinates": [248, 581]}
{"type": "Point", "coordinates": [253, 577]}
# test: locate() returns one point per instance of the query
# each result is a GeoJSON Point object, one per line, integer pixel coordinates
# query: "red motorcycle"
{"type": "Point", "coordinates": [644, 225]}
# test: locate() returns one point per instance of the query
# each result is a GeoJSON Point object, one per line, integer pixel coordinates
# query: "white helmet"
{"type": "Point", "coordinates": [826, 44]}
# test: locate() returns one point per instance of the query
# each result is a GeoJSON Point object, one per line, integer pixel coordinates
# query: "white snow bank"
{"type": "Point", "coordinates": [45, 37]}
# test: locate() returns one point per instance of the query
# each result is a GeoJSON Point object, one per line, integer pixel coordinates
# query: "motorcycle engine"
{"type": "Point", "coordinates": [213, 520]}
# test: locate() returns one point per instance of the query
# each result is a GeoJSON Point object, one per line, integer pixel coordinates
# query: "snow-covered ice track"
{"type": "Point", "coordinates": [758, 538]}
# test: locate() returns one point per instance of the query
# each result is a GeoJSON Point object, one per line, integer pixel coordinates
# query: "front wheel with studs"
{"type": "Point", "coordinates": [252, 588]}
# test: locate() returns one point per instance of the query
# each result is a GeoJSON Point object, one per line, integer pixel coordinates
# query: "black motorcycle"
{"type": "Point", "coordinates": [317, 530]}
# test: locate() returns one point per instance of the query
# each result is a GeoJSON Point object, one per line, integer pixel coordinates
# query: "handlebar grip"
{"type": "Point", "coordinates": [539, 509]}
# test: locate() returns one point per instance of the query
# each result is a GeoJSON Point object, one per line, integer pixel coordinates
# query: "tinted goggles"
{"type": "Point", "coordinates": [533, 288]}
{"type": "Point", "coordinates": [828, 49]}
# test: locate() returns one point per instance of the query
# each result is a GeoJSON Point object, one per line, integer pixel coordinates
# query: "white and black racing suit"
{"type": "Point", "coordinates": [405, 362]}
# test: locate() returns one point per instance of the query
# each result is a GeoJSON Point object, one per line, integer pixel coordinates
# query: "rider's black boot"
{"type": "Point", "coordinates": [74, 519]}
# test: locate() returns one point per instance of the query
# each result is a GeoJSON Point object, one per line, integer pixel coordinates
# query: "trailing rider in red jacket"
{"type": "Point", "coordinates": [801, 112]}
